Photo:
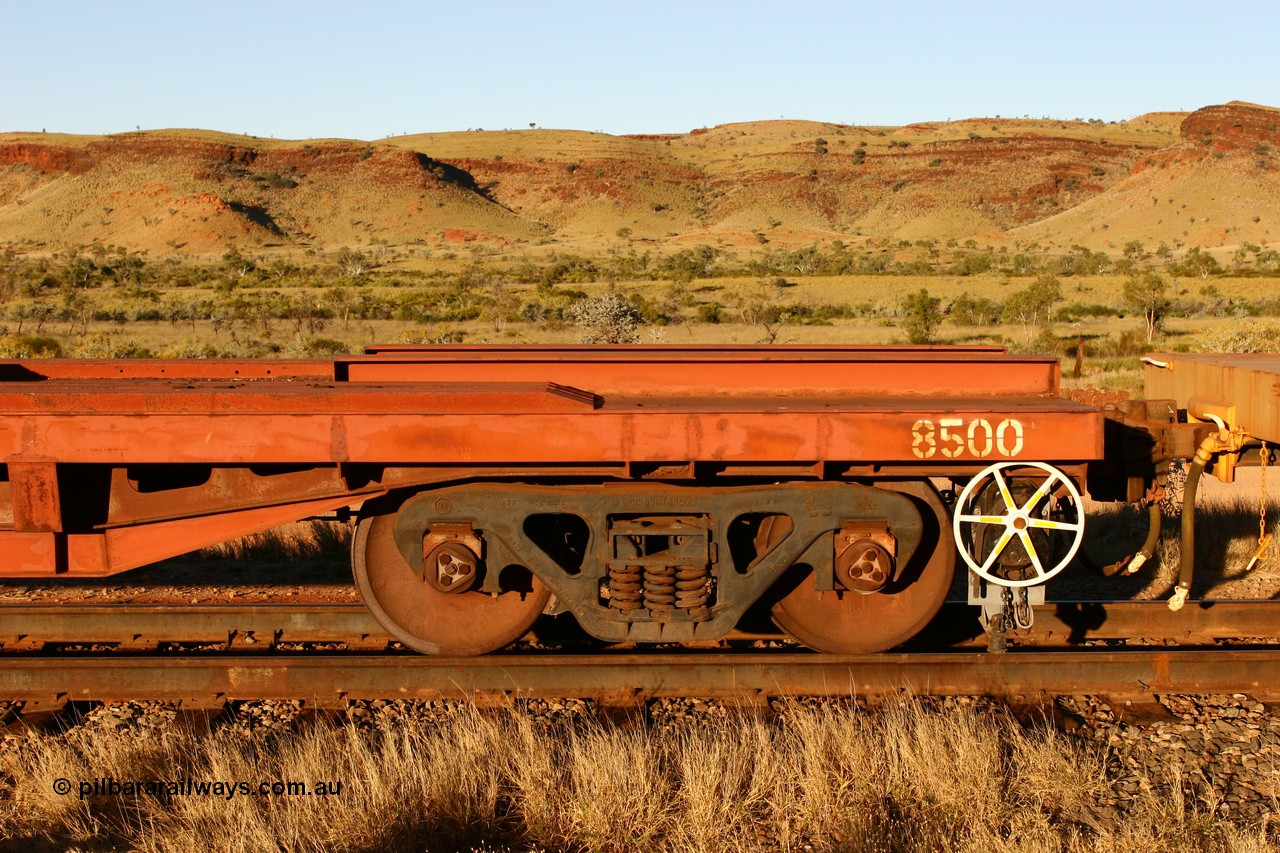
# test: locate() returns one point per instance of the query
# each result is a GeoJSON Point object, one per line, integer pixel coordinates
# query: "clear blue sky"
{"type": "Point", "coordinates": [377, 68]}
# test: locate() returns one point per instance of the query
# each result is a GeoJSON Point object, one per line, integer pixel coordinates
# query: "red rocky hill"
{"type": "Point", "coordinates": [992, 180]}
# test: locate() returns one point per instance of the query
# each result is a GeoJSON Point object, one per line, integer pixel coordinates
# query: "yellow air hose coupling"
{"type": "Point", "coordinates": [1218, 442]}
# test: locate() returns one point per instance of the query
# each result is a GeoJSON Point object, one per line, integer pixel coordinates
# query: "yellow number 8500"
{"type": "Point", "coordinates": [957, 438]}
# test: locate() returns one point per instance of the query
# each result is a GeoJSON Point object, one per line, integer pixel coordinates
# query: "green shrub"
{"type": "Point", "coordinates": [24, 346]}
{"type": "Point", "coordinates": [1131, 344]}
{"type": "Point", "coordinates": [710, 312]}
{"type": "Point", "coordinates": [1077, 310]}
{"type": "Point", "coordinates": [316, 347]}
{"type": "Point", "coordinates": [922, 316]}
{"type": "Point", "coordinates": [968, 311]}
{"type": "Point", "coordinates": [103, 345]}
{"type": "Point", "coordinates": [1239, 337]}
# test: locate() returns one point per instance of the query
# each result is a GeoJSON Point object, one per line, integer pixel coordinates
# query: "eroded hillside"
{"type": "Point", "coordinates": [1207, 178]}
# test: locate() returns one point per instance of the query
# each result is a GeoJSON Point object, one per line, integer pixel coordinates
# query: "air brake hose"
{"type": "Point", "coordinates": [1204, 453]}
{"type": "Point", "coordinates": [1154, 521]}
{"type": "Point", "coordinates": [1130, 565]}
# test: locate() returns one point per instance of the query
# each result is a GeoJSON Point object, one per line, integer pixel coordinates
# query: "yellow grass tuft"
{"type": "Point", "coordinates": [914, 776]}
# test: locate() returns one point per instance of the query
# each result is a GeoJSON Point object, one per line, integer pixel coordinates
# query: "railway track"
{"type": "Point", "coordinates": [324, 654]}
{"type": "Point", "coordinates": [626, 678]}
{"type": "Point", "coordinates": [262, 627]}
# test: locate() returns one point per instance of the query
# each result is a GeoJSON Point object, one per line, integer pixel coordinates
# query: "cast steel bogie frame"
{"type": "Point", "coordinates": [506, 515]}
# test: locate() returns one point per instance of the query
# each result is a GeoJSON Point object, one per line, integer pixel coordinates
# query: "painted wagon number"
{"type": "Point", "coordinates": [953, 436]}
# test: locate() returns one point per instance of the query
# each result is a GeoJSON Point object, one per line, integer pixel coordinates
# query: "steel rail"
{"type": "Point", "coordinates": [26, 627]}
{"type": "Point", "coordinates": [628, 679]}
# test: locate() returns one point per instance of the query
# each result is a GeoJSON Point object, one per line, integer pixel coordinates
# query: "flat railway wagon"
{"type": "Point", "coordinates": [659, 494]}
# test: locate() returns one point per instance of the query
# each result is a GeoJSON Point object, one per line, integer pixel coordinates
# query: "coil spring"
{"type": "Point", "coordinates": [659, 589]}
{"type": "Point", "coordinates": [692, 587]}
{"type": "Point", "coordinates": [625, 589]}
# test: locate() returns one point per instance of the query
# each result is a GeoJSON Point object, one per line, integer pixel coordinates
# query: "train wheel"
{"type": "Point", "coordinates": [851, 623]}
{"type": "Point", "coordinates": [428, 620]}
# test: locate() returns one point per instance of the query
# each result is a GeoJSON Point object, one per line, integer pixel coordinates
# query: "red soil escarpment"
{"type": "Point", "coordinates": [1232, 126]}
{"type": "Point", "coordinates": [42, 158]}
{"type": "Point", "coordinates": [179, 190]}
{"type": "Point", "coordinates": [1216, 185]}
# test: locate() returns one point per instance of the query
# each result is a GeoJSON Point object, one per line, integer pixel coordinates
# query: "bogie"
{"type": "Point", "coordinates": [653, 562]}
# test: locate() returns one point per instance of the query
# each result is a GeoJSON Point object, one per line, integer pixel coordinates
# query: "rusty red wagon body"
{"type": "Point", "coordinates": [656, 492]}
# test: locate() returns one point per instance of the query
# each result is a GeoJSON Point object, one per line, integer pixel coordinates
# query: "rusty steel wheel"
{"type": "Point", "coordinates": [850, 623]}
{"type": "Point", "coordinates": [423, 617]}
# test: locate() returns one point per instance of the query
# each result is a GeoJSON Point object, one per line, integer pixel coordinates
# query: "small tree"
{"type": "Point", "coordinates": [341, 300]}
{"type": "Point", "coordinates": [1032, 306]}
{"type": "Point", "coordinates": [1199, 262]}
{"type": "Point", "coordinates": [502, 304]}
{"type": "Point", "coordinates": [761, 306]}
{"type": "Point", "coordinates": [1135, 251]}
{"type": "Point", "coordinates": [236, 264]}
{"type": "Point", "coordinates": [351, 262]}
{"type": "Point", "coordinates": [968, 311]}
{"type": "Point", "coordinates": [607, 320]}
{"type": "Point", "coordinates": [1147, 293]}
{"type": "Point", "coordinates": [922, 316]}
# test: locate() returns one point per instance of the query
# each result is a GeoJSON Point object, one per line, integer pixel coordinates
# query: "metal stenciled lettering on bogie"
{"type": "Point", "coordinates": [841, 567]}
{"type": "Point", "coordinates": [1016, 524]}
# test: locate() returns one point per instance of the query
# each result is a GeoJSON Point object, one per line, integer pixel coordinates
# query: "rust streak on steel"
{"type": "Point", "coordinates": [1057, 624]}
{"type": "Point", "coordinates": [334, 680]}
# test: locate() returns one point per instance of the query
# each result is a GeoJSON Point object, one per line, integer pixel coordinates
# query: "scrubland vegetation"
{"type": "Point", "coordinates": [115, 303]}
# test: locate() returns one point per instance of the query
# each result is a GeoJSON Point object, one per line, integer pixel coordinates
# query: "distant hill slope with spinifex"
{"type": "Point", "coordinates": [1218, 184]}
{"type": "Point", "coordinates": [1208, 178]}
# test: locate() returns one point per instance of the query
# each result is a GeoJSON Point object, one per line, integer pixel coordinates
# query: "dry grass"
{"type": "Point", "coordinates": [829, 778]}
{"type": "Point", "coordinates": [291, 543]}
